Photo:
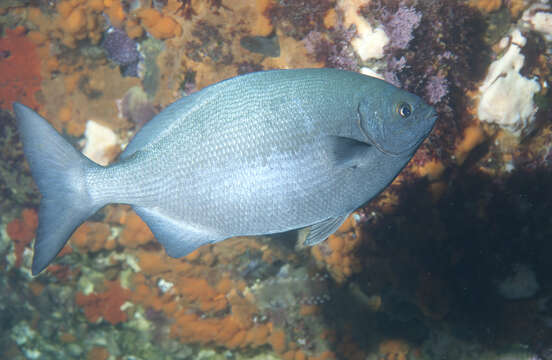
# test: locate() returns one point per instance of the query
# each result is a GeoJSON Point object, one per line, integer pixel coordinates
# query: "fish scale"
{"type": "Point", "coordinates": [257, 154]}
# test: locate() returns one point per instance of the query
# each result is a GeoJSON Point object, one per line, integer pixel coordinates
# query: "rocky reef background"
{"type": "Point", "coordinates": [452, 261]}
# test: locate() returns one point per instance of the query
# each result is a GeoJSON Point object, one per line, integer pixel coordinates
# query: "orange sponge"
{"type": "Point", "coordinates": [135, 233]}
{"type": "Point", "coordinates": [115, 11]}
{"type": "Point", "coordinates": [158, 25]}
{"type": "Point", "coordinates": [75, 22]}
{"type": "Point", "coordinates": [338, 253]}
{"type": "Point", "coordinates": [149, 17]}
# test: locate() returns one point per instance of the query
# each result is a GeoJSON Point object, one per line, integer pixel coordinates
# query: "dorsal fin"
{"type": "Point", "coordinates": [160, 124]}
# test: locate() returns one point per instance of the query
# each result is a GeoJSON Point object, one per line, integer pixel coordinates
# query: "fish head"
{"type": "Point", "coordinates": [393, 120]}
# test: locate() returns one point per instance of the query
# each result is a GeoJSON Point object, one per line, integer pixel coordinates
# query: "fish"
{"type": "Point", "coordinates": [257, 154]}
{"type": "Point", "coordinates": [265, 45]}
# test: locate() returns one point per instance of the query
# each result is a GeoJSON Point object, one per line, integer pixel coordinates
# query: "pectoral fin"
{"type": "Point", "coordinates": [178, 238]}
{"type": "Point", "coordinates": [320, 231]}
{"type": "Point", "coordinates": [345, 152]}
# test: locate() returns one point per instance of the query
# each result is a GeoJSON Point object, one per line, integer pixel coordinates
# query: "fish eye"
{"type": "Point", "coordinates": [404, 110]}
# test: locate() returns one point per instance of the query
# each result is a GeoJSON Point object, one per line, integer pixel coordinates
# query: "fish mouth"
{"type": "Point", "coordinates": [430, 117]}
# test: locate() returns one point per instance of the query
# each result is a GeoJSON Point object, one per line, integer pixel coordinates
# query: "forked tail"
{"type": "Point", "coordinates": [59, 171]}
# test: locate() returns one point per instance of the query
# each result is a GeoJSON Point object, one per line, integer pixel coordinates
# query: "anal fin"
{"type": "Point", "coordinates": [178, 238]}
{"type": "Point", "coordinates": [320, 231]}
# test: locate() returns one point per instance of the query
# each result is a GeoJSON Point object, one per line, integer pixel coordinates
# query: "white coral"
{"type": "Point", "coordinates": [370, 41]}
{"type": "Point", "coordinates": [506, 97]}
{"type": "Point", "coordinates": [538, 17]}
{"type": "Point", "coordinates": [99, 140]}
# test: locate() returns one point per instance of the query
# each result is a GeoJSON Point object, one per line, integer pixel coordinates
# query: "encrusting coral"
{"type": "Point", "coordinates": [92, 236]}
{"type": "Point", "coordinates": [135, 233]}
{"type": "Point", "coordinates": [209, 306]}
{"type": "Point", "coordinates": [20, 69]}
{"type": "Point", "coordinates": [338, 253]}
{"type": "Point", "coordinates": [22, 231]}
{"type": "Point", "coordinates": [196, 296]}
{"type": "Point", "coordinates": [106, 304]}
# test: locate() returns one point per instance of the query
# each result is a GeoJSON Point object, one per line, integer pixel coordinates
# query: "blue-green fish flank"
{"type": "Point", "coordinates": [261, 153]}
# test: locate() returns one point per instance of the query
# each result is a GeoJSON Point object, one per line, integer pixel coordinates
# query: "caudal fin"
{"type": "Point", "coordinates": [58, 170]}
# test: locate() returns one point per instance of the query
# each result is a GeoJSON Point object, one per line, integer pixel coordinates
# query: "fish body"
{"type": "Point", "coordinates": [261, 153]}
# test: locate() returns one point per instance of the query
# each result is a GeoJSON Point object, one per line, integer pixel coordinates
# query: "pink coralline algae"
{"type": "Point", "coordinates": [334, 50]}
{"type": "Point", "coordinates": [400, 25]}
{"type": "Point", "coordinates": [436, 88]}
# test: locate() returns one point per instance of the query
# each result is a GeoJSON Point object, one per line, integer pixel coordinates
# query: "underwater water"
{"type": "Point", "coordinates": [451, 261]}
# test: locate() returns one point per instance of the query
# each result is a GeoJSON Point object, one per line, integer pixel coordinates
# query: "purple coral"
{"type": "Point", "coordinates": [394, 66]}
{"type": "Point", "coordinates": [335, 51]}
{"type": "Point", "coordinates": [400, 25]}
{"type": "Point", "coordinates": [342, 56]}
{"type": "Point", "coordinates": [122, 50]}
{"type": "Point", "coordinates": [313, 41]}
{"type": "Point", "coordinates": [436, 88]}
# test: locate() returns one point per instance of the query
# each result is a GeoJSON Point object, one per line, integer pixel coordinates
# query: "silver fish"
{"type": "Point", "coordinates": [261, 153]}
